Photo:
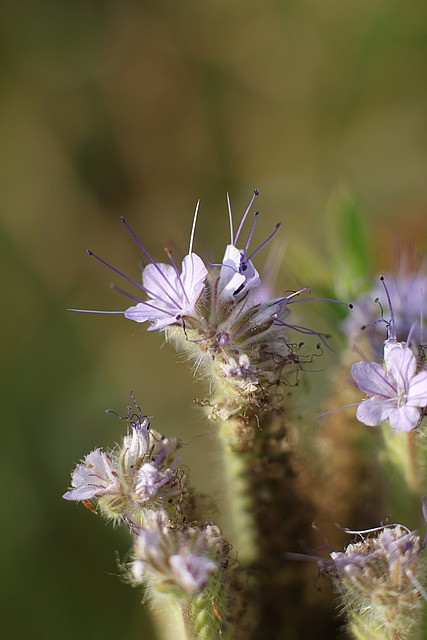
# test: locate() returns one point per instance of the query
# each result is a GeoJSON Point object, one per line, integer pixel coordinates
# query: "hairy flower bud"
{"type": "Point", "coordinates": [381, 579]}
{"type": "Point", "coordinates": [176, 559]}
{"type": "Point", "coordinates": [125, 482]}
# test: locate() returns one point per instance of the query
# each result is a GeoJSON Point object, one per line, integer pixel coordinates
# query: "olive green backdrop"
{"type": "Point", "coordinates": [139, 108]}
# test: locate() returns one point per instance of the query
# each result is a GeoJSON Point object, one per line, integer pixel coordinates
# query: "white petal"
{"type": "Point", "coordinates": [82, 493]}
{"type": "Point", "coordinates": [401, 364]}
{"type": "Point", "coordinates": [417, 395]}
{"type": "Point", "coordinates": [372, 379]}
{"type": "Point", "coordinates": [230, 279]}
{"type": "Point", "coordinates": [373, 412]}
{"type": "Point", "coordinates": [404, 418]}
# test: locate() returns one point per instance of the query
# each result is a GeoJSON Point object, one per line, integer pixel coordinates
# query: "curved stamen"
{"type": "Point", "coordinates": [193, 228]}
{"type": "Point", "coordinates": [97, 311]}
{"type": "Point", "coordinates": [230, 218]}
{"type": "Point", "coordinates": [131, 280]}
{"type": "Point", "coordinates": [145, 302]}
{"type": "Point", "coordinates": [245, 215]}
{"type": "Point", "coordinates": [125, 293]}
{"type": "Point", "coordinates": [251, 233]}
{"type": "Point", "coordinates": [266, 241]}
{"type": "Point", "coordinates": [156, 266]}
{"type": "Point", "coordinates": [178, 275]}
{"type": "Point", "coordinates": [392, 326]}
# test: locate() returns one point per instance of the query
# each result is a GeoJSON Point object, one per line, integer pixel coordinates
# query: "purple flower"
{"type": "Point", "coordinates": [406, 290]}
{"type": "Point", "coordinates": [238, 275]}
{"type": "Point", "coordinates": [149, 479]}
{"type": "Point", "coordinates": [93, 478]}
{"type": "Point", "coordinates": [191, 571]}
{"type": "Point", "coordinates": [171, 295]}
{"type": "Point", "coordinates": [396, 394]}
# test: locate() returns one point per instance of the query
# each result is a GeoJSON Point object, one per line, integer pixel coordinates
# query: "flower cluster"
{"type": "Point", "coordinates": [222, 318]}
{"type": "Point", "coordinates": [179, 558]}
{"type": "Point", "coordinates": [408, 291]}
{"type": "Point", "coordinates": [140, 485]}
{"type": "Point", "coordinates": [381, 578]}
{"type": "Point", "coordinates": [140, 473]}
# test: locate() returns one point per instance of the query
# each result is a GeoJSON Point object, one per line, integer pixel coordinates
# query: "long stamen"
{"type": "Point", "coordinates": [147, 304]}
{"type": "Point", "coordinates": [193, 228]}
{"type": "Point", "coordinates": [266, 241]}
{"type": "Point", "coordinates": [178, 275]}
{"type": "Point", "coordinates": [97, 311]}
{"type": "Point", "coordinates": [125, 293]}
{"type": "Point", "coordinates": [137, 284]}
{"type": "Point", "coordinates": [120, 273]}
{"type": "Point", "coordinates": [245, 215]}
{"type": "Point", "coordinates": [230, 218]}
{"type": "Point", "coordinates": [251, 233]}
{"type": "Point", "coordinates": [156, 266]}
{"type": "Point", "coordinates": [392, 332]}
{"type": "Point", "coordinates": [345, 304]}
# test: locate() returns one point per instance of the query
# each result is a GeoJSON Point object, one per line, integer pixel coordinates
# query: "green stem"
{"type": "Point", "coordinates": [402, 472]}
{"type": "Point", "coordinates": [239, 525]}
{"type": "Point", "coordinates": [360, 630]}
{"type": "Point", "coordinates": [201, 617]}
{"type": "Point", "coordinates": [168, 618]}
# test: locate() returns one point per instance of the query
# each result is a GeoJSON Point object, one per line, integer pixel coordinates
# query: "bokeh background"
{"type": "Point", "coordinates": [139, 108]}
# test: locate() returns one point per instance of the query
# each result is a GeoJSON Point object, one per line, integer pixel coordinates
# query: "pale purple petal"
{"type": "Point", "coordinates": [400, 362]}
{"type": "Point", "coordinates": [164, 286]}
{"type": "Point", "coordinates": [193, 277]}
{"type": "Point", "coordinates": [149, 480]}
{"type": "Point", "coordinates": [160, 317]}
{"type": "Point", "coordinates": [404, 418]}
{"type": "Point", "coordinates": [171, 295]}
{"type": "Point", "coordinates": [191, 571]}
{"type": "Point", "coordinates": [417, 394]}
{"type": "Point", "coordinates": [372, 379]}
{"type": "Point", "coordinates": [373, 412]}
{"type": "Point", "coordinates": [94, 477]}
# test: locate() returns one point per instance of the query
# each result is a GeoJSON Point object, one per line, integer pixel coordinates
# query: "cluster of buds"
{"type": "Point", "coordinates": [177, 557]}
{"type": "Point", "coordinates": [140, 484]}
{"type": "Point", "coordinates": [380, 578]}
{"type": "Point", "coordinates": [134, 477]}
{"type": "Point", "coordinates": [224, 317]}
{"type": "Point", "coordinates": [407, 289]}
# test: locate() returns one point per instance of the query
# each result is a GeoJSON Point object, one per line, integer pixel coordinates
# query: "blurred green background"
{"type": "Point", "coordinates": [139, 108]}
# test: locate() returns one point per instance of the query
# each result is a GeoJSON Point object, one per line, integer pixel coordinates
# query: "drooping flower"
{"type": "Point", "coordinates": [396, 393]}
